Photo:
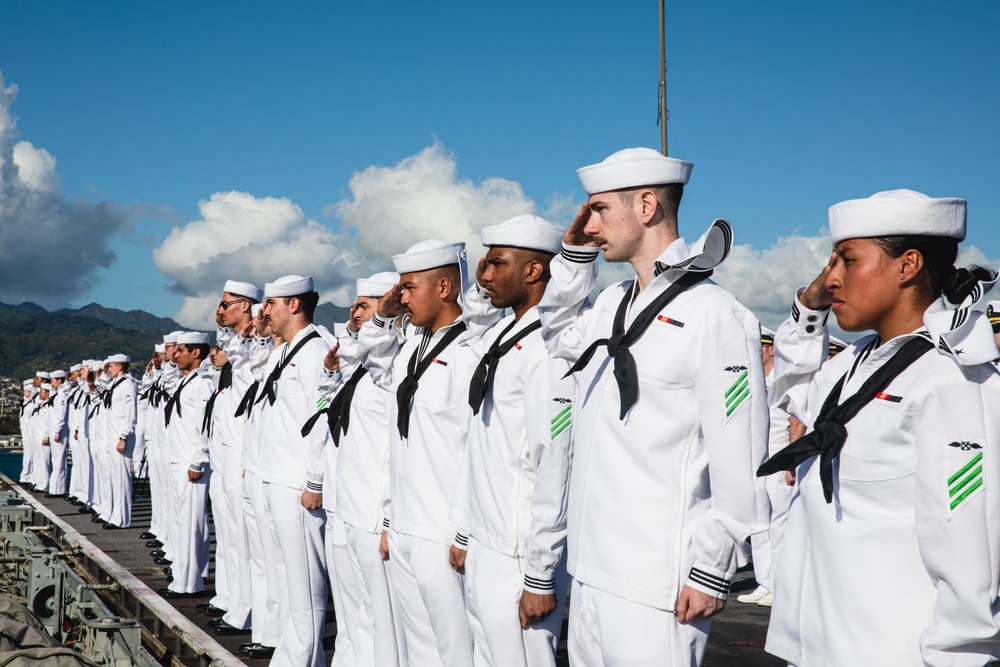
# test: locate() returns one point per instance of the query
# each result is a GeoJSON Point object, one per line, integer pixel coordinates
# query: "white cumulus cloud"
{"type": "Point", "coordinates": [39, 228]}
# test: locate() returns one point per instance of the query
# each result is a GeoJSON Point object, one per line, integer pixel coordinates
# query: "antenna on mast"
{"type": "Point", "coordinates": [663, 113]}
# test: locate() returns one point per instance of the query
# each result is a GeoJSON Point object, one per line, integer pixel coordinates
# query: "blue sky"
{"type": "Point", "coordinates": [784, 107]}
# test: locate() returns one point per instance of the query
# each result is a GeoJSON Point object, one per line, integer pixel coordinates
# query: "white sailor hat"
{"type": "Point", "coordinates": [119, 359]}
{"type": "Point", "coordinates": [75, 367]}
{"type": "Point", "coordinates": [42, 374]}
{"type": "Point", "coordinates": [249, 290]}
{"type": "Point", "coordinates": [524, 231]}
{"type": "Point", "coordinates": [288, 286]}
{"type": "Point", "coordinates": [897, 213]}
{"type": "Point", "coordinates": [93, 364]}
{"type": "Point", "coordinates": [28, 384]}
{"type": "Point", "coordinates": [160, 347]}
{"type": "Point", "coordinates": [428, 255]}
{"type": "Point", "coordinates": [46, 386]}
{"type": "Point", "coordinates": [378, 284]}
{"type": "Point", "coordinates": [171, 338]}
{"type": "Point", "coordinates": [194, 338]}
{"type": "Point", "coordinates": [633, 168]}
{"type": "Point", "coordinates": [766, 336]}
{"type": "Point", "coordinates": [58, 375]}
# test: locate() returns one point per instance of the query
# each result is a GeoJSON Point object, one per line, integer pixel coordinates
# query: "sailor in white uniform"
{"type": "Point", "coordinates": [522, 404]}
{"type": "Point", "coordinates": [58, 434]}
{"type": "Point", "coordinates": [891, 554]}
{"type": "Point", "coordinates": [40, 467]}
{"type": "Point", "coordinates": [24, 420]}
{"type": "Point", "coordinates": [120, 409]}
{"type": "Point", "coordinates": [226, 446]}
{"type": "Point", "coordinates": [291, 466]}
{"type": "Point", "coordinates": [429, 377]}
{"type": "Point", "coordinates": [670, 419]}
{"type": "Point", "coordinates": [43, 414]}
{"type": "Point", "coordinates": [190, 472]}
{"type": "Point", "coordinates": [358, 418]}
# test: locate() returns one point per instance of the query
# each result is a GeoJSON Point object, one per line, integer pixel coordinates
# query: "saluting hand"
{"type": "Point", "coordinates": [817, 296]}
{"type": "Point", "coordinates": [390, 306]}
{"type": "Point", "coordinates": [331, 361]}
{"type": "Point", "coordinates": [248, 330]}
{"type": "Point", "coordinates": [576, 235]}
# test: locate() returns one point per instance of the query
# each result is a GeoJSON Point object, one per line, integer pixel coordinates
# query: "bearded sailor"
{"type": "Point", "coordinates": [358, 418]}
{"type": "Point", "coordinates": [670, 422]}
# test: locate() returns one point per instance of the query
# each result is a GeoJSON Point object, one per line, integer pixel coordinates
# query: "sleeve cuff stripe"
{"type": "Point", "coordinates": [579, 257]}
{"type": "Point", "coordinates": [385, 523]}
{"type": "Point", "coordinates": [709, 581]}
{"type": "Point", "coordinates": [539, 583]}
{"type": "Point", "coordinates": [314, 487]}
{"type": "Point", "coordinates": [378, 321]}
{"type": "Point", "coordinates": [461, 540]}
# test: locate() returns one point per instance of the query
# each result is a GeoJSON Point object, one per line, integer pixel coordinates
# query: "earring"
{"type": "Point", "coordinates": [902, 277]}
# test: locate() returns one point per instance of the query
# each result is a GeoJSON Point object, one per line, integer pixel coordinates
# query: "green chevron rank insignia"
{"type": "Point", "coordinates": [321, 403]}
{"type": "Point", "coordinates": [965, 466]}
{"type": "Point", "coordinates": [563, 420]}
{"type": "Point", "coordinates": [736, 379]}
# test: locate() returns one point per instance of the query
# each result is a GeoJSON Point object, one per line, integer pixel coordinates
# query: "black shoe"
{"type": "Point", "coordinates": [174, 595]}
{"type": "Point", "coordinates": [147, 536]}
{"type": "Point", "coordinates": [258, 651]}
{"type": "Point", "coordinates": [226, 630]}
{"type": "Point", "coordinates": [55, 495]}
{"type": "Point", "coordinates": [111, 526]}
{"type": "Point", "coordinates": [154, 544]}
{"type": "Point", "coordinates": [97, 519]}
{"type": "Point", "coordinates": [170, 580]}
{"type": "Point", "coordinates": [169, 571]}
{"type": "Point", "coordinates": [160, 560]}
{"type": "Point", "coordinates": [86, 510]}
{"type": "Point", "coordinates": [158, 553]}
{"type": "Point", "coordinates": [212, 610]}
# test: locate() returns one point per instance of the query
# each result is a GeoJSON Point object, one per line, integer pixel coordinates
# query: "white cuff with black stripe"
{"type": "Point", "coordinates": [539, 585]}
{"type": "Point", "coordinates": [314, 487]}
{"type": "Point", "coordinates": [709, 583]}
{"type": "Point", "coordinates": [385, 523]}
{"type": "Point", "coordinates": [461, 540]}
{"type": "Point", "coordinates": [807, 321]}
{"type": "Point", "coordinates": [579, 254]}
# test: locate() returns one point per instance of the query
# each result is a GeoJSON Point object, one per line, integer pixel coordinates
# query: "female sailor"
{"type": "Point", "coordinates": [892, 549]}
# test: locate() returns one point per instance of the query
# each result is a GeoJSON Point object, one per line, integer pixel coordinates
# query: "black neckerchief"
{"type": "Point", "coordinates": [268, 391]}
{"type": "Point", "coordinates": [338, 413]}
{"type": "Point", "coordinates": [482, 378]}
{"type": "Point", "coordinates": [620, 340]}
{"type": "Point", "coordinates": [246, 404]}
{"type": "Point", "coordinates": [107, 397]}
{"type": "Point", "coordinates": [175, 400]}
{"type": "Point", "coordinates": [414, 370]}
{"type": "Point", "coordinates": [829, 430]}
{"type": "Point", "coordinates": [225, 382]}
{"type": "Point", "coordinates": [99, 403]}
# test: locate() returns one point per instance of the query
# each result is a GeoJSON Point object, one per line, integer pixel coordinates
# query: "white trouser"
{"type": "Point", "coordinates": [299, 533]}
{"type": "Point", "coordinates": [27, 458]}
{"type": "Point", "coordinates": [221, 519]}
{"type": "Point", "coordinates": [375, 639]}
{"type": "Point", "coordinates": [780, 495]}
{"type": "Point", "coordinates": [42, 467]}
{"type": "Point", "coordinates": [345, 592]}
{"type": "Point", "coordinates": [237, 571]}
{"type": "Point", "coordinates": [265, 617]}
{"type": "Point", "coordinates": [79, 479]}
{"type": "Point", "coordinates": [608, 631]}
{"type": "Point", "coordinates": [189, 534]}
{"type": "Point", "coordinates": [432, 623]}
{"type": "Point", "coordinates": [139, 451]}
{"type": "Point", "coordinates": [119, 489]}
{"type": "Point", "coordinates": [156, 482]}
{"type": "Point", "coordinates": [102, 479]}
{"type": "Point", "coordinates": [166, 501]}
{"type": "Point", "coordinates": [493, 586]}
{"type": "Point", "coordinates": [57, 477]}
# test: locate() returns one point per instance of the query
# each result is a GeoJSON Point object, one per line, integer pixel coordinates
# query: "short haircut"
{"type": "Point", "coordinates": [203, 348]}
{"type": "Point", "coordinates": [309, 301]}
{"type": "Point", "coordinates": [668, 195]}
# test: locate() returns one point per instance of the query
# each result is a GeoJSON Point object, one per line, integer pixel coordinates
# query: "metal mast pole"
{"type": "Point", "coordinates": [663, 82]}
